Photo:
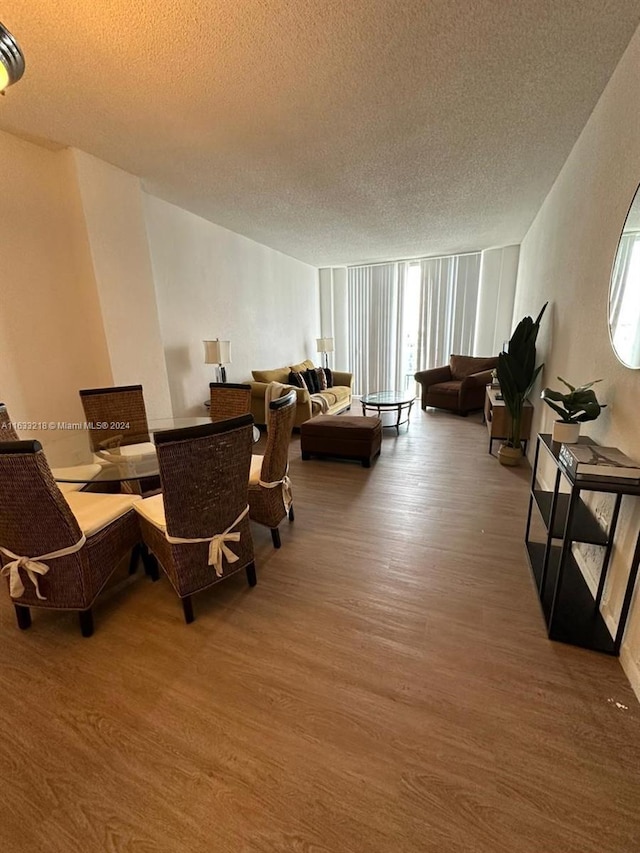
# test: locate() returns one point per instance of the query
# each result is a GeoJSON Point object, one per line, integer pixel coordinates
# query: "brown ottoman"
{"type": "Point", "coordinates": [344, 436]}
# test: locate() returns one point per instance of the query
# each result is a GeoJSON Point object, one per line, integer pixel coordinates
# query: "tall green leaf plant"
{"type": "Point", "coordinates": [517, 372]}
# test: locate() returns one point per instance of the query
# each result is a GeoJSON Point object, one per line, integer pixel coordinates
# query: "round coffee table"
{"type": "Point", "coordinates": [384, 401]}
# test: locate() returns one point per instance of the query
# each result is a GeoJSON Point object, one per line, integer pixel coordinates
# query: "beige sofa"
{"type": "Point", "coordinates": [336, 399]}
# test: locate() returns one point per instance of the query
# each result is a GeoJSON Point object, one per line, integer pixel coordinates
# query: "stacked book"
{"type": "Point", "coordinates": [605, 464]}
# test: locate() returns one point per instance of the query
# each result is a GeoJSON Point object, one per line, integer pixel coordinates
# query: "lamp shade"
{"type": "Point", "coordinates": [324, 344]}
{"type": "Point", "coordinates": [11, 59]}
{"type": "Point", "coordinates": [217, 352]}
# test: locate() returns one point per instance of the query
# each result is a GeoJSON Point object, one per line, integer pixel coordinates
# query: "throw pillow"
{"type": "Point", "coordinates": [296, 379]}
{"type": "Point", "coordinates": [329, 376]}
{"type": "Point", "coordinates": [311, 381]}
{"type": "Point", "coordinates": [322, 379]}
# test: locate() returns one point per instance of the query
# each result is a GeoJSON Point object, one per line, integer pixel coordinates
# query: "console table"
{"type": "Point", "coordinates": [498, 419]}
{"type": "Point", "coordinates": [571, 612]}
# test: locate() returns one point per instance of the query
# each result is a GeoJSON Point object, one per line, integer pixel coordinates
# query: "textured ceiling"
{"type": "Point", "coordinates": [334, 130]}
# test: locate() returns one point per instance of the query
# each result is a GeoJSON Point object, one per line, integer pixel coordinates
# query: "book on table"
{"type": "Point", "coordinates": [592, 462]}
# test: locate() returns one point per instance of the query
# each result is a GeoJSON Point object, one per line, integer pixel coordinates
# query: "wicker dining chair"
{"type": "Point", "coordinates": [117, 416]}
{"type": "Point", "coordinates": [7, 429]}
{"type": "Point", "coordinates": [229, 400]}
{"type": "Point", "coordinates": [270, 498]}
{"type": "Point", "coordinates": [58, 551]}
{"type": "Point", "coordinates": [8, 433]}
{"type": "Point", "coordinates": [198, 528]}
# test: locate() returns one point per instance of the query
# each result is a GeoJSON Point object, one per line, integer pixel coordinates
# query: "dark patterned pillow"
{"type": "Point", "coordinates": [322, 379]}
{"type": "Point", "coordinates": [329, 377]}
{"type": "Point", "coordinates": [311, 380]}
{"type": "Point", "coordinates": [296, 379]}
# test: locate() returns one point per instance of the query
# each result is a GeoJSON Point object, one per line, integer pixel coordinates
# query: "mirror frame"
{"type": "Point", "coordinates": [636, 195]}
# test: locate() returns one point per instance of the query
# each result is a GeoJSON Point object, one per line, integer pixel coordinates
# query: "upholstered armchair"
{"type": "Point", "coordinates": [458, 387]}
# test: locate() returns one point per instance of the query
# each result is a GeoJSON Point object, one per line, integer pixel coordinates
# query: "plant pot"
{"type": "Point", "coordinates": [509, 455]}
{"type": "Point", "coordinates": [565, 433]}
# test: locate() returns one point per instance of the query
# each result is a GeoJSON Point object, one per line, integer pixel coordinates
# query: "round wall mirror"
{"type": "Point", "coordinates": [624, 290]}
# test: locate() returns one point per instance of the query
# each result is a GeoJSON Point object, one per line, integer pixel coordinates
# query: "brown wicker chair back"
{"type": "Point", "coordinates": [7, 430]}
{"type": "Point", "coordinates": [229, 400]}
{"type": "Point", "coordinates": [282, 415]}
{"type": "Point", "coordinates": [118, 416]}
{"type": "Point", "coordinates": [35, 519]}
{"type": "Point", "coordinates": [204, 472]}
{"type": "Point", "coordinates": [271, 502]}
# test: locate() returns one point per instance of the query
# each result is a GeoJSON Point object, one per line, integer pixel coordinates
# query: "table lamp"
{"type": "Point", "coordinates": [218, 352]}
{"type": "Point", "coordinates": [324, 346]}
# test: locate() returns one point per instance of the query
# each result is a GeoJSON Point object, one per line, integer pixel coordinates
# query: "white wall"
{"type": "Point", "coordinates": [52, 340]}
{"type": "Point", "coordinates": [333, 313]}
{"type": "Point", "coordinates": [566, 258]}
{"type": "Point", "coordinates": [114, 218]}
{"type": "Point", "coordinates": [498, 276]}
{"type": "Point", "coordinates": [212, 283]}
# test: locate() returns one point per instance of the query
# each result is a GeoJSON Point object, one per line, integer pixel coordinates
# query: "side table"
{"type": "Point", "coordinates": [498, 419]}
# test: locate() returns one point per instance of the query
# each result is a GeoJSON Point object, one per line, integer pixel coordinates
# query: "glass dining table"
{"type": "Point", "coordinates": [72, 458]}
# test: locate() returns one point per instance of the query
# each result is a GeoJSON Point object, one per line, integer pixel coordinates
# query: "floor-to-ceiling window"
{"type": "Point", "coordinates": [405, 316]}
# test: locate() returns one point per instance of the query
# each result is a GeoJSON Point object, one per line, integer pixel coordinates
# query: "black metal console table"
{"type": "Point", "coordinates": [571, 612]}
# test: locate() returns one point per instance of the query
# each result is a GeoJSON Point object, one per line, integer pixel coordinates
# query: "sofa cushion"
{"type": "Point", "coordinates": [304, 365]}
{"type": "Point", "coordinates": [280, 374]}
{"type": "Point", "coordinates": [337, 394]}
{"type": "Point", "coordinates": [465, 365]}
{"type": "Point", "coordinates": [452, 387]}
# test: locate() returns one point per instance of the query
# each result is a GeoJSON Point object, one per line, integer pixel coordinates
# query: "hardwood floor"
{"type": "Point", "coordinates": [387, 687]}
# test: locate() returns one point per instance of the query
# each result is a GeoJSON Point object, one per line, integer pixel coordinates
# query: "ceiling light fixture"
{"type": "Point", "coordinates": [11, 60]}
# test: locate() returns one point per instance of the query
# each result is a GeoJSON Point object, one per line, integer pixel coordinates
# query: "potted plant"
{"type": "Point", "coordinates": [517, 373]}
{"type": "Point", "coordinates": [574, 408]}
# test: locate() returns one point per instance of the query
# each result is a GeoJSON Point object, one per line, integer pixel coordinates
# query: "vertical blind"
{"type": "Point", "coordinates": [448, 304]}
{"type": "Point", "coordinates": [384, 338]}
{"type": "Point", "coordinates": [374, 296]}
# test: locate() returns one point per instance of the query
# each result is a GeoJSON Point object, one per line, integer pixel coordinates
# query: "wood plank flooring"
{"type": "Point", "coordinates": [387, 687]}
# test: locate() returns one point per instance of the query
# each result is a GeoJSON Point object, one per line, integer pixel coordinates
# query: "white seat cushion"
{"type": "Point", "coordinates": [70, 487]}
{"type": "Point", "coordinates": [256, 468]}
{"type": "Point", "coordinates": [94, 512]}
{"type": "Point", "coordinates": [152, 509]}
{"type": "Point", "coordinates": [128, 453]}
{"type": "Point", "coordinates": [80, 472]}
{"type": "Point", "coordinates": [144, 448]}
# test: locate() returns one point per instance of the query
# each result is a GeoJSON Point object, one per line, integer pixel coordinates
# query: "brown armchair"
{"type": "Point", "coordinates": [460, 386]}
